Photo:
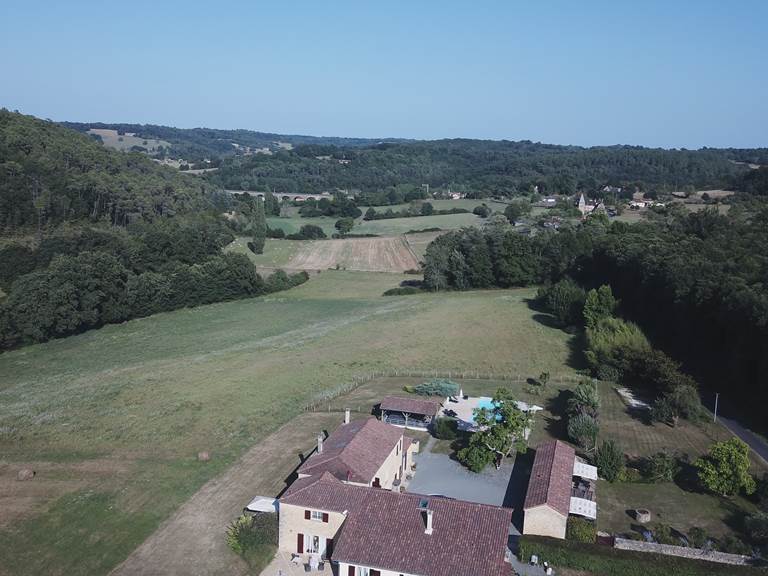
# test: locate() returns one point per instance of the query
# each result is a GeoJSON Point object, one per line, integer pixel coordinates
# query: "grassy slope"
{"type": "Point", "coordinates": [150, 393]}
{"type": "Point", "coordinates": [276, 252]}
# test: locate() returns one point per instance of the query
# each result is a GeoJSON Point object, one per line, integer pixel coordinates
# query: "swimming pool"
{"type": "Point", "coordinates": [484, 402]}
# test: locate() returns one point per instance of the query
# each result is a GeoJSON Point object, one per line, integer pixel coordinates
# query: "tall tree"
{"type": "Point", "coordinates": [259, 227]}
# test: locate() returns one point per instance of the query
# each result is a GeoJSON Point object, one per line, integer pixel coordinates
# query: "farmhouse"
{"type": "Point", "coordinates": [409, 412]}
{"type": "Point", "coordinates": [365, 452]}
{"type": "Point", "coordinates": [560, 484]}
{"type": "Point", "coordinates": [369, 532]}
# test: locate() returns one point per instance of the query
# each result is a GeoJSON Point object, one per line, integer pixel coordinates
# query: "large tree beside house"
{"type": "Point", "coordinates": [501, 430]}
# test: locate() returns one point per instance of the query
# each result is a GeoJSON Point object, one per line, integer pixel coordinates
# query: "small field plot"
{"type": "Point", "coordinates": [394, 226]}
{"type": "Point", "coordinates": [362, 254]}
{"type": "Point", "coordinates": [277, 253]}
{"type": "Point", "coordinates": [126, 141]}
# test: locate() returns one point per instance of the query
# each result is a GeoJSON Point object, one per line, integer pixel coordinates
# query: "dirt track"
{"type": "Point", "coordinates": [391, 254]}
{"type": "Point", "coordinates": [192, 542]}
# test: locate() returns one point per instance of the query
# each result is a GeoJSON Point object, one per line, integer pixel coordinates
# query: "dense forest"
{"type": "Point", "coordinates": [697, 284]}
{"type": "Point", "coordinates": [481, 168]}
{"type": "Point", "coordinates": [50, 175]}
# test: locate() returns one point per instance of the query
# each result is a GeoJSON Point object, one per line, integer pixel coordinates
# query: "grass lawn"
{"type": "Point", "coordinates": [395, 226]}
{"type": "Point", "coordinates": [112, 419]}
{"type": "Point", "coordinates": [668, 502]}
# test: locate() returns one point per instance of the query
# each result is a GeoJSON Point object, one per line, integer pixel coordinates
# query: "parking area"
{"type": "Point", "coordinates": [438, 474]}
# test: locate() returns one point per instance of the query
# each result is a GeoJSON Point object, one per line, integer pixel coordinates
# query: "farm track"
{"type": "Point", "coordinates": [193, 541]}
{"type": "Point", "coordinates": [389, 254]}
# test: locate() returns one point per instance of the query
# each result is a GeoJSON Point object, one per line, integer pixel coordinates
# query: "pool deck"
{"type": "Point", "coordinates": [464, 408]}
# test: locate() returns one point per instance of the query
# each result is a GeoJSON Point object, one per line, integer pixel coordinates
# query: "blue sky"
{"type": "Point", "coordinates": [672, 74]}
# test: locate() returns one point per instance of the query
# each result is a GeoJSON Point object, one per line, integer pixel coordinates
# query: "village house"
{"type": "Point", "coordinates": [416, 413]}
{"type": "Point", "coordinates": [560, 484]}
{"type": "Point", "coordinates": [369, 532]}
{"type": "Point", "coordinates": [364, 452]}
{"type": "Point", "coordinates": [346, 506]}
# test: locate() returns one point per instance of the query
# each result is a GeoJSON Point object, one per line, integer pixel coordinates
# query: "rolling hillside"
{"type": "Point", "coordinates": [51, 175]}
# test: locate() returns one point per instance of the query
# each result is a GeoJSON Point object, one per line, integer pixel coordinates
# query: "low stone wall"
{"type": "Point", "coordinates": [682, 551]}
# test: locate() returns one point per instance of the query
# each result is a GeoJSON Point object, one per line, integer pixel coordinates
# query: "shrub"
{"type": "Point", "coordinates": [254, 538]}
{"type": "Point", "coordinates": [697, 537]}
{"type": "Point", "coordinates": [580, 530]}
{"type": "Point", "coordinates": [475, 458]}
{"type": "Point", "coordinates": [608, 373]}
{"type": "Point", "coordinates": [756, 526]}
{"type": "Point", "coordinates": [725, 469]}
{"type": "Point", "coordinates": [661, 467]}
{"type": "Point", "coordinates": [276, 233]}
{"type": "Point", "coordinates": [732, 545]}
{"type": "Point", "coordinates": [445, 428]}
{"type": "Point", "coordinates": [629, 475]}
{"type": "Point", "coordinates": [662, 533]}
{"type": "Point", "coordinates": [403, 291]}
{"type": "Point", "coordinates": [437, 387]}
{"type": "Point", "coordinates": [585, 400]}
{"type": "Point", "coordinates": [564, 300]}
{"type": "Point", "coordinates": [609, 460]}
{"type": "Point", "coordinates": [583, 430]}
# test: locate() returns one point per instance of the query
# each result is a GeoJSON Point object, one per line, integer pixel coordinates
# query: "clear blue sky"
{"type": "Point", "coordinates": [656, 73]}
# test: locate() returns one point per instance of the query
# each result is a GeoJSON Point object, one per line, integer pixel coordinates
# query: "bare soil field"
{"type": "Point", "coordinates": [360, 254]}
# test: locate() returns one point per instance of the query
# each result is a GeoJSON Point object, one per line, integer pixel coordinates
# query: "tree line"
{"type": "Point", "coordinates": [694, 282]}
{"type": "Point", "coordinates": [86, 278]}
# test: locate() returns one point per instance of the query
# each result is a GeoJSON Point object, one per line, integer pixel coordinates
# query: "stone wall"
{"type": "Point", "coordinates": [682, 551]}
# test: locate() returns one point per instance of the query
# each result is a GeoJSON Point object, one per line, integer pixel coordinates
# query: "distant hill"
{"type": "Point", "coordinates": [195, 144]}
{"type": "Point", "coordinates": [50, 174]}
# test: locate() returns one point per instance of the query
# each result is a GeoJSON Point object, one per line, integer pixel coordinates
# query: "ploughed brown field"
{"type": "Point", "coordinates": [362, 254]}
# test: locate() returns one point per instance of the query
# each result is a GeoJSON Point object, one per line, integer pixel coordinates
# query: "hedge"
{"type": "Point", "coordinates": [603, 560]}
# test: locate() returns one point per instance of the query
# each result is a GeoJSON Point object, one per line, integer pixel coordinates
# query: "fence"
{"type": "Point", "coordinates": [682, 552]}
{"type": "Point", "coordinates": [324, 397]}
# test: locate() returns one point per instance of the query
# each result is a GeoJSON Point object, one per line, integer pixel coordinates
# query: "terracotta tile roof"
{"type": "Point", "coordinates": [551, 477]}
{"type": "Point", "coordinates": [385, 530]}
{"type": "Point", "coordinates": [411, 405]}
{"type": "Point", "coordinates": [354, 451]}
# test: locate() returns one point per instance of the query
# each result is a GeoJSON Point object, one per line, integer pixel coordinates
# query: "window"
{"type": "Point", "coordinates": [317, 516]}
{"type": "Point", "coordinates": [314, 545]}
{"type": "Point", "coordinates": [363, 571]}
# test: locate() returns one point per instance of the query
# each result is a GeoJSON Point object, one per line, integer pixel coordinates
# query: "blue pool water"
{"type": "Point", "coordinates": [484, 403]}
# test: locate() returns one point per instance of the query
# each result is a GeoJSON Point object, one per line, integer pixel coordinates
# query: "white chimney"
{"type": "Point", "coordinates": [320, 439]}
{"type": "Point", "coordinates": [346, 416]}
{"type": "Point", "coordinates": [428, 529]}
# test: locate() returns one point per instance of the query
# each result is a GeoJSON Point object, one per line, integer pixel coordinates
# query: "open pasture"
{"type": "Point", "coordinates": [395, 226]}
{"type": "Point", "coordinates": [112, 419]}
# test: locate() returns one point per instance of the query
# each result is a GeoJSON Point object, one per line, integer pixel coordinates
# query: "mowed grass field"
{"type": "Point", "coordinates": [391, 254]}
{"type": "Point", "coordinates": [112, 419]}
{"type": "Point", "coordinates": [395, 226]}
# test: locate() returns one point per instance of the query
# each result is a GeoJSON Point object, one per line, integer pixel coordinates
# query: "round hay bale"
{"type": "Point", "coordinates": [642, 515]}
{"type": "Point", "coordinates": [25, 474]}
{"type": "Point", "coordinates": [203, 456]}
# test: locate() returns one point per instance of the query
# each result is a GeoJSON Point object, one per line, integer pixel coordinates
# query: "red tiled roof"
{"type": "Point", "coordinates": [385, 530]}
{"type": "Point", "coordinates": [354, 451]}
{"type": "Point", "coordinates": [410, 405]}
{"type": "Point", "coordinates": [551, 477]}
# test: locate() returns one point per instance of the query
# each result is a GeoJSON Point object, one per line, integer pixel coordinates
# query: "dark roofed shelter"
{"type": "Point", "coordinates": [416, 413]}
